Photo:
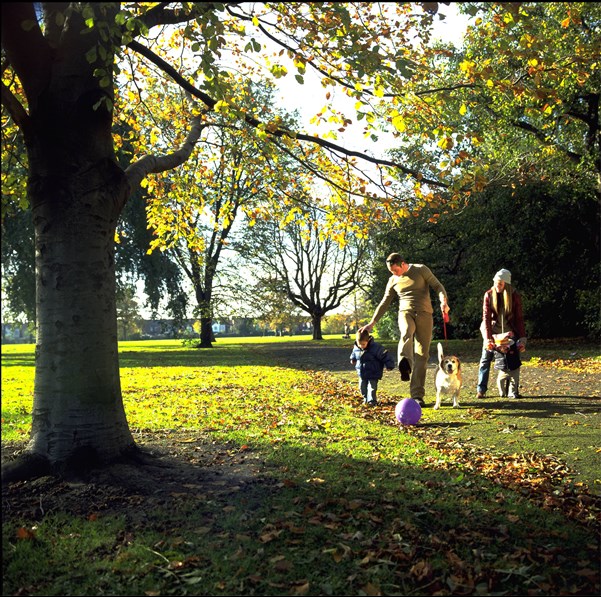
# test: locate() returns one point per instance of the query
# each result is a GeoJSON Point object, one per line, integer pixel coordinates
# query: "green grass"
{"type": "Point", "coordinates": [166, 386]}
{"type": "Point", "coordinates": [348, 503]}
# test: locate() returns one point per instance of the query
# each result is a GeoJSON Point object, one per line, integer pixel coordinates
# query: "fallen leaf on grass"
{"type": "Point", "coordinates": [584, 365]}
{"type": "Point", "coordinates": [421, 570]}
{"type": "Point", "coordinates": [301, 589]}
{"type": "Point", "coordinates": [281, 564]}
{"type": "Point", "coordinates": [370, 589]}
{"type": "Point", "coordinates": [26, 534]}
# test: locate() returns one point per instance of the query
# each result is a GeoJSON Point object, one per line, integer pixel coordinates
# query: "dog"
{"type": "Point", "coordinates": [448, 378]}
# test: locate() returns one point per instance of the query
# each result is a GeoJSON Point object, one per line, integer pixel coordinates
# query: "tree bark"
{"type": "Point", "coordinates": [316, 321]}
{"type": "Point", "coordinates": [206, 332]}
{"type": "Point", "coordinates": [78, 405]}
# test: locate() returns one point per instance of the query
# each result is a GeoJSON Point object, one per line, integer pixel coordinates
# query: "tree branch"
{"type": "Point", "coordinates": [278, 132]}
{"type": "Point", "coordinates": [148, 164]}
{"type": "Point", "coordinates": [526, 126]}
{"type": "Point", "coordinates": [15, 109]}
{"type": "Point", "coordinates": [160, 15]}
{"type": "Point", "coordinates": [26, 48]}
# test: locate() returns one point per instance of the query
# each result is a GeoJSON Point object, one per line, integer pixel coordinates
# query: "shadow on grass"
{"type": "Point", "coordinates": [551, 405]}
{"type": "Point", "coordinates": [18, 359]}
{"type": "Point", "coordinates": [443, 425]}
{"type": "Point", "coordinates": [289, 516]}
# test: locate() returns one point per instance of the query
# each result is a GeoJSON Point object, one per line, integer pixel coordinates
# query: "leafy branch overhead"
{"type": "Point", "coordinates": [526, 75]}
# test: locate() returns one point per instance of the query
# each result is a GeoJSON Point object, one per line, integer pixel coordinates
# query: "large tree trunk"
{"type": "Point", "coordinates": [316, 321]}
{"type": "Point", "coordinates": [78, 407]}
{"type": "Point", "coordinates": [77, 192]}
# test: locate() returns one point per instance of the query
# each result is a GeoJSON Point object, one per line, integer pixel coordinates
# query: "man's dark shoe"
{"type": "Point", "coordinates": [405, 369]}
{"type": "Point", "coordinates": [420, 401]}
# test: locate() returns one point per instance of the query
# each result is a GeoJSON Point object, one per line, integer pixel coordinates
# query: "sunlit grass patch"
{"type": "Point", "coordinates": [17, 392]}
{"type": "Point", "coordinates": [253, 398]}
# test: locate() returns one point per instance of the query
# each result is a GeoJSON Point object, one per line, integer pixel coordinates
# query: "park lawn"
{"type": "Point", "coordinates": [169, 386]}
{"type": "Point", "coordinates": [346, 501]}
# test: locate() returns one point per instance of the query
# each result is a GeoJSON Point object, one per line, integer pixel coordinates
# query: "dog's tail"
{"type": "Point", "coordinates": [440, 353]}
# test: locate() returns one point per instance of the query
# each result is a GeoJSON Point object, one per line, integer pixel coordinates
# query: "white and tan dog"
{"type": "Point", "coordinates": [448, 377]}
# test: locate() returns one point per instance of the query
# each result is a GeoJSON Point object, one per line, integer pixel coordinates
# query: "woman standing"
{"type": "Point", "coordinates": [501, 313]}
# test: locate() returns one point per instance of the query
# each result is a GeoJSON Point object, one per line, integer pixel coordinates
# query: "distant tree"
{"type": "Point", "coordinates": [272, 308]}
{"type": "Point", "coordinates": [128, 312]}
{"type": "Point", "coordinates": [315, 271]}
{"type": "Point", "coordinates": [193, 212]}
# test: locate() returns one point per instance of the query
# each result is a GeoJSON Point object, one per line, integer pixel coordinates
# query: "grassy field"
{"type": "Point", "coordinates": [281, 482]}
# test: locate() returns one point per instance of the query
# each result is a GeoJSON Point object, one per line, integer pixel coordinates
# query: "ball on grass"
{"type": "Point", "coordinates": [408, 411]}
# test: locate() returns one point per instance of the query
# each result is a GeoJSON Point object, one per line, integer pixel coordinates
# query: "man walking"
{"type": "Point", "coordinates": [412, 284]}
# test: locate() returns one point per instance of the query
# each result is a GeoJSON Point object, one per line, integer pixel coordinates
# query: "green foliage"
{"type": "Point", "coordinates": [18, 266]}
{"type": "Point", "coordinates": [532, 94]}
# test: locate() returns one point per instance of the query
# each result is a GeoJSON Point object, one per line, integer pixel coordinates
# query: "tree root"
{"type": "Point", "coordinates": [79, 465]}
{"type": "Point", "coordinates": [26, 467]}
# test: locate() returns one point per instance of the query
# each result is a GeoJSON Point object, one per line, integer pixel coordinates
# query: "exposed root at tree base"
{"type": "Point", "coordinates": [25, 467]}
{"type": "Point", "coordinates": [154, 473]}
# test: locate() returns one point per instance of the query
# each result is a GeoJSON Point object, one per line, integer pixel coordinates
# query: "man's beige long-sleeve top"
{"type": "Point", "coordinates": [413, 290]}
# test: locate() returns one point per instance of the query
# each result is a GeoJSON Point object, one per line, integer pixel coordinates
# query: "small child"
{"type": "Point", "coordinates": [508, 365]}
{"type": "Point", "coordinates": [369, 358]}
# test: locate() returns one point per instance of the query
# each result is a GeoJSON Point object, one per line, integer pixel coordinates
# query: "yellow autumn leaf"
{"type": "Point", "coordinates": [445, 143]}
{"type": "Point", "coordinates": [466, 65]}
{"type": "Point", "coordinates": [220, 106]}
{"type": "Point", "coordinates": [399, 123]}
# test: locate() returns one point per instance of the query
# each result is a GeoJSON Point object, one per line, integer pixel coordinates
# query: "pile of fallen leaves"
{"type": "Point", "coordinates": [542, 478]}
{"type": "Point", "coordinates": [578, 365]}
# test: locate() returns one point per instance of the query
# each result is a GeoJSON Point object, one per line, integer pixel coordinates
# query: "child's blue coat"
{"type": "Point", "coordinates": [370, 362]}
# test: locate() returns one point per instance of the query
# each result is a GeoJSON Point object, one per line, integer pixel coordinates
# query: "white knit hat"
{"type": "Point", "coordinates": [504, 275]}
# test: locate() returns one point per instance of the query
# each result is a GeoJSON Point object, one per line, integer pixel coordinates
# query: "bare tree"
{"type": "Point", "coordinates": [315, 271]}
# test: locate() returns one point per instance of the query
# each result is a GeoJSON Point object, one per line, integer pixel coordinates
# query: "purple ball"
{"type": "Point", "coordinates": [408, 411]}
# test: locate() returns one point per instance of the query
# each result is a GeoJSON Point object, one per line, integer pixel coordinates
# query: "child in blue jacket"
{"type": "Point", "coordinates": [369, 358]}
